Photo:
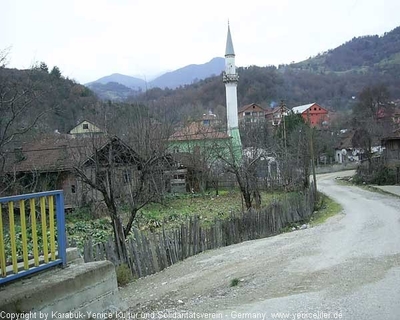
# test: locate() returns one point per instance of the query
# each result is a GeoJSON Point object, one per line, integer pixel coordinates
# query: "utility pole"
{"type": "Point", "coordinates": [282, 109]}
{"type": "Point", "coordinates": [311, 134]}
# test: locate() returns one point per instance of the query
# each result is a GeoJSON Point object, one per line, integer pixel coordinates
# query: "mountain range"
{"type": "Point", "coordinates": [118, 86]}
{"type": "Point", "coordinates": [334, 79]}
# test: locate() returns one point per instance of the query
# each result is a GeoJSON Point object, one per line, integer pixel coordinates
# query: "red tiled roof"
{"type": "Point", "coordinates": [197, 131]}
{"type": "Point", "coordinates": [244, 108]}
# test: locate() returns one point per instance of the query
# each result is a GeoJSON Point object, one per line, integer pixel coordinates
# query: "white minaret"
{"type": "Point", "coordinates": [230, 78]}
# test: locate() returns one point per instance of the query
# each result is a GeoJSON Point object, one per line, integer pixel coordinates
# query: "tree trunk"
{"type": "Point", "coordinates": [120, 242]}
{"type": "Point", "coordinates": [247, 198]}
{"type": "Point", "coordinates": [257, 198]}
{"type": "Point", "coordinates": [118, 229]}
{"type": "Point", "coordinates": [130, 222]}
{"type": "Point", "coordinates": [216, 186]}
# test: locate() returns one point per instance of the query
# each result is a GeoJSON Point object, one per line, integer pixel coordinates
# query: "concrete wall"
{"type": "Point", "coordinates": [83, 287]}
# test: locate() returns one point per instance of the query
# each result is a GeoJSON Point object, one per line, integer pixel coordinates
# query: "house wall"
{"type": "Point", "coordinates": [71, 188]}
{"type": "Point", "coordinates": [210, 148]}
{"type": "Point", "coordinates": [338, 156]}
{"type": "Point", "coordinates": [316, 115]}
{"type": "Point", "coordinates": [85, 127]}
{"type": "Point", "coordinates": [275, 117]}
{"type": "Point", "coordinates": [352, 155]}
{"type": "Point", "coordinates": [253, 113]}
{"type": "Point", "coordinates": [392, 152]}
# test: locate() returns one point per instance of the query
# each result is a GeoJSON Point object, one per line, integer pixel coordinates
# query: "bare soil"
{"type": "Point", "coordinates": [350, 264]}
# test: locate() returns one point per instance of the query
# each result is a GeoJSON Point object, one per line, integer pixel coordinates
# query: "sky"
{"type": "Point", "coordinates": [89, 39]}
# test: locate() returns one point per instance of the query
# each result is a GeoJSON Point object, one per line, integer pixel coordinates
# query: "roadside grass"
{"type": "Point", "coordinates": [172, 212]}
{"type": "Point", "coordinates": [177, 209]}
{"type": "Point", "coordinates": [80, 227]}
{"type": "Point", "coordinates": [325, 208]}
{"type": "Point", "coordinates": [364, 186]}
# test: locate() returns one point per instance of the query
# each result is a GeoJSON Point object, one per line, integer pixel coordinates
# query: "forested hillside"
{"type": "Point", "coordinates": [379, 53]}
{"type": "Point", "coordinates": [267, 86]}
{"type": "Point", "coordinates": [332, 79]}
{"type": "Point", "coordinates": [36, 101]}
{"type": "Point", "coordinates": [42, 100]}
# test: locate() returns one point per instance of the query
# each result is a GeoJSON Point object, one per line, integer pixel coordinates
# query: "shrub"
{"type": "Point", "coordinates": [124, 274]}
{"type": "Point", "coordinates": [384, 176]}
{"type": "Point", "coordinates": [234, 282]}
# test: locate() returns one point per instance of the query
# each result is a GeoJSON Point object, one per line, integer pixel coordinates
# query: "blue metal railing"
{"type": "Point", "coordinates": [29, 244]}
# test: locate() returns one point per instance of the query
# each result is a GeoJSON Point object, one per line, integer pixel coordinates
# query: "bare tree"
{"type": "Point", "coordinates": [19, 95]}
{"type": "Point", "coordinates": [127, 173]}
{"type": "Point", "coordinates": [372, 119]}
{"type": "Point", "coordinates": [198, 144]}
{"type": "Point", "coordinates": [249, 165]}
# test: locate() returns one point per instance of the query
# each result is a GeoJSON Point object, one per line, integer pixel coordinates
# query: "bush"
{"type": "Point", "coordinates": [234, 282]}
{"type": "Point", "coordinates": [381, 175]}
{"type": "Point", "coordinates": [124, 274]}
{"type": "Point", "coordinates": [384, 176]}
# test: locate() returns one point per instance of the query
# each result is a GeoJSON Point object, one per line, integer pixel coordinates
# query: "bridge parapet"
{"type": "Point", "coordinates": [32, 234]}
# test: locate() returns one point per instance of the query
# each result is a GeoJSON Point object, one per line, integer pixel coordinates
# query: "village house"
{"type": "Point", "coordinates": [253, 113]}
{"type": "Point", "coordinates": [195, 147]}
{"type": "Point", "coordinates": [57, 161]}
{"type": "Point", "coordinates": [49, 162]}
{"type": "Point", "coordinates": [391, 153]}
{"type": "Point", "coordinates": [344, 150]}
{"type": "Point", "coordinates": [86, 127]}
{"type": "Point", "coordinates": [274, 116]}
{"type": "Point", "coordinates": [349, 149]}
{"type": "Point", "coordinates": [314, 114]}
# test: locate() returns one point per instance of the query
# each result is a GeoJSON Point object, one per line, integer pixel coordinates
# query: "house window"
{"type": "Point", "coordinates": [246, 114]}
{"type": "Point", "coordinates": [73, 188]}
{"type": "Point", "coordinates": [85, 126]}
{"type": "Point", "coordinates": [206, 123]}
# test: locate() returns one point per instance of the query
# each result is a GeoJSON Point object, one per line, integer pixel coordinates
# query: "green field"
{"type": "Point", "coordinates": [172, 212]}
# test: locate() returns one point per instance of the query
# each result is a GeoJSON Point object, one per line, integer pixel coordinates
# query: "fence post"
{"type": "Point", "coordinates": [61, 238]}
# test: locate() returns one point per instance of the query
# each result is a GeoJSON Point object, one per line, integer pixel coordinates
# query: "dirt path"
{"type": "Point", "coordinates": [348, 266]}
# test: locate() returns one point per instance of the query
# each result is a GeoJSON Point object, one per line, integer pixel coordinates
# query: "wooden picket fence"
{"type": "Point", "coordinates": [150, 252]}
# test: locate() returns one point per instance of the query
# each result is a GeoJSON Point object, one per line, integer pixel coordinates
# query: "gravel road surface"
{"type": "Point", "coordinates": [347, 268]}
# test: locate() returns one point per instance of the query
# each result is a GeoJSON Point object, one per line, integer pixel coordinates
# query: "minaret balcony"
{"type": "Point", "coordinates": [227, 77]}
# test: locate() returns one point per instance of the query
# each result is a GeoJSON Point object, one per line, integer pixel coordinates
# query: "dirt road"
{"type": "Point", "coordinates": [348, 267]}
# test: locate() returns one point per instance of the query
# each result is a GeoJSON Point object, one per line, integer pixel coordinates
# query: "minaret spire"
{"type": "Point", "coordinates": [230, 78]}
{"type": "Point", "coordinates": [229, 45]}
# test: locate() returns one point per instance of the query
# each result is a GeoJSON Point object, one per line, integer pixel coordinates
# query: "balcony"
{"type": "Point", "coordinates": [227, 78]}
